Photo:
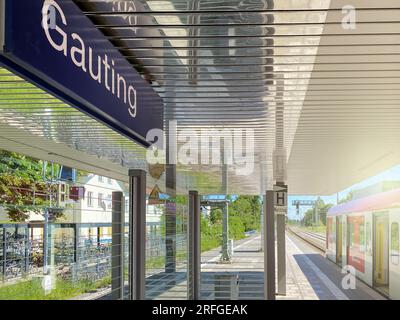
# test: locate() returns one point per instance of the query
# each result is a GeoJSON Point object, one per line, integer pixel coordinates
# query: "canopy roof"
{"type": "Point", "coordinates": [289, 70]}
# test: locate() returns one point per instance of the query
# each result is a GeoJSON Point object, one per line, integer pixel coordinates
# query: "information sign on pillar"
{"type": "Point", "coordinates": [280, 199]}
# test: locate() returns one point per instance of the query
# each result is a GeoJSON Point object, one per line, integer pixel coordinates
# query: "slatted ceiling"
{"type": "Point", "coordinates": [247, 5]}
{"type": "Point", "coordinates": [24, 106]}
{"type": "Point", "coordinates": [231, 64]}
{"type": "Point", "coordinates": [229, 50]}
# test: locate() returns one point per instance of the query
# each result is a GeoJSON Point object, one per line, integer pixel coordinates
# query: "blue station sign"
{"type": "Point", "coordinates": [53, 44]}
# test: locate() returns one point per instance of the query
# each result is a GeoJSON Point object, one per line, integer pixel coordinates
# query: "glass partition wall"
{"type": "Point", "coordinates": [56, 238]}
{"type": "Point", "coordinates": [64, 234]}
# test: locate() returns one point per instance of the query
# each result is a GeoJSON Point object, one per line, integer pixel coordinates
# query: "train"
{"type": "Point", "coordinates": [364, 234]}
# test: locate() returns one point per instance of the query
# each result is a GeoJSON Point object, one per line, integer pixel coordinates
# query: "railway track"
{"type": "Point", "coordinates": [315, 239]}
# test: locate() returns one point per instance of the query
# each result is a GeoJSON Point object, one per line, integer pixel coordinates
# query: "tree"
{"type": "Point", "coordinates": [248, 209]}
{"type": "Point", "coordinates": [216, 215]}
{"type": "Point", "coordinates": [308, 219]}
{"type": "Point", "coordinates": [236, 228]}
{"type": "Point", "coordinates": [309, 216]}
{"type": "Point", "coordinates": [22, 189]}
{"type": "Point", "coordinates": [348, 198]}
{"type": "Point", "coordinates": [323, 211]}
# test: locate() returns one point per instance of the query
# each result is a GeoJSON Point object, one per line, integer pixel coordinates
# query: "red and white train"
{"type": "Point", "coordinates": [364, 233]}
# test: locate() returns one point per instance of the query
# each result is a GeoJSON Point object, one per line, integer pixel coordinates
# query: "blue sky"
{"type": "Point", "coordinates": [391, 174]}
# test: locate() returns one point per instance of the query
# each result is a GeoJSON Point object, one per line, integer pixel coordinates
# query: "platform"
{"type": "Point", "coordinates": [310, 276]}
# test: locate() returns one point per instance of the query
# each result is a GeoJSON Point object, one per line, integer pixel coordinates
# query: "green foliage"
{"type": "Point", "coordinates": [308, 219]}
{"type": "Point", "coordinates": [216, 216]}
{"type": "Point", "coordinates": [211, 234]}
{"type": "Point", "coordinates": [248, 210]}
{"type": "Point", "coordinates": [244, 215]}
{"type": "Point", "coordinates": [236, 228]}
{"type": "Point", "coordinates": [323, 211]}
{"type": "Point", "coordinates": [316, 229]}
{"type": "Point", "coordinates": [348, 198]}
{"type": "Point", "coordinates": [22, 189]}
{"type": "Point", "coordinates": [64, 289]}
{"type": "Point", "coordinates": [21, 166]}
{"type": "Point", "coordinates": [180, 221]}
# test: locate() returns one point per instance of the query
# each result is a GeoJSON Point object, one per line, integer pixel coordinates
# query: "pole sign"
{"type": "Point", "coordinates": [280, 199]}
{"type": "Point", "coordinates": [53, 44]}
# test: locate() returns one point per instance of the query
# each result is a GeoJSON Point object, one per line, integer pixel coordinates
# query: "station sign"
{"type": "Point", "coordinates": [54, 45]}
{"type": "Point", "coordinates": [280, 199]}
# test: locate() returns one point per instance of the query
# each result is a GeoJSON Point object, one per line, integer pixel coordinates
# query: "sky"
{"type": "Point", "coordinates": [391, 174]}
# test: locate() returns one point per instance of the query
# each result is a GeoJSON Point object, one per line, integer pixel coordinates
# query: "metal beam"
{"type": "Point", "coordinates": [262, 228]}
{"type": "Point", "coordinates": [225, 256]}
{"type": "Point", "coordinates": [194, 246]}
{"type": "Point", "coordinates": [170, 210]}
{"type": "Point", "coordinates": [46, 241]}
{"type": "Point", "coordinates": [170, 220]}
{"type": "Point", "coordinates": [281, 248]}
{"type": "Point", "coordinates": [76, 242]}
{"type": "Point", "coordinates": [4, 251]}
{"type": "Point", "coordinates": [2, 24]}
{"type": "Point", "coordinates": [98, 237]}
{"type": "Point", "coordinates": [117, 248]}
{"type": "Point", "coordinates": [269, 246]}
{"type": "Point", "coordinates": [137, 231]}
{"type": "Point", "coordinates": [281, 200]}
{"type": "Point", "coordinates": [27, 249]}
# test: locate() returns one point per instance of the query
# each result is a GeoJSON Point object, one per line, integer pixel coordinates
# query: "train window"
{"type": "Point", "coordinates": [395, 243]}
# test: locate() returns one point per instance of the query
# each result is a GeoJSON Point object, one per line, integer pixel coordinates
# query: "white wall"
{"type": "Point", "coordinates": [96, 213]}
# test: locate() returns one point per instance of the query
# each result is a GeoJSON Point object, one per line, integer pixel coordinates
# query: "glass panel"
{"type": "Point", "coordinates": [368, 238]}
{"type": "Point", "coordinates": [166, 247]}
{"type": "Point", "coordinates": [395, 243]}
{"type": "Point", "coordinates": [234, 271]}
{"type": "Point", "coordinates": [55, 235]}
{"type": "Point", "coordinates": [351, 232]}
{"type": "Point", "coordinates": [362, 237]}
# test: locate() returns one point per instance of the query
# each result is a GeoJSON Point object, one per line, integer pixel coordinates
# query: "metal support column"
{"type": "Point", "coordinates": [4, 251]}
{"type": "Point", "coordinates": [262, 228]}
{"type": "Point", "coordinates": [76, 242]}
{"type": "Point", "coordinates": [316, 211]}
{"type": "Point", "coordinates": [170, 208]}
{"type": "Point", "coordinates": [225, 234]}
{"type": "Point", "coordinates": [45, 241]}
{"type": "Point", "coordinates": [77, 246]}
{"type": "Point", "coordinates": [98, 237]}
{"type": "Point", "coordinates": [170, 220]}
{"type": "Point", "coordinates": [194, 246]}
{"type": "Point", "coordinates": [269, 246]}
{"type": "Point", "coordinates": [262, 187]}
{"type": "Point", "coordinates": [137, 232]}
{"type": "Point", "coordinates": [225, 257]}
{"type": "Point", "coordinates": [27, 249]}
{"type": "Point", "coordinates": [281, 211]}
{"type": "Point", "coordinates": [117, 249]}
{"type": "Point", "coordinates": [281, 246]}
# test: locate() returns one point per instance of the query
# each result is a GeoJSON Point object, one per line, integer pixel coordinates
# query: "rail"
{"type": "Point", "coordinates": [315, 239]}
